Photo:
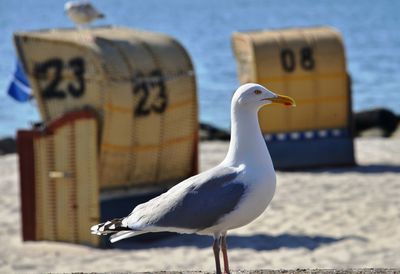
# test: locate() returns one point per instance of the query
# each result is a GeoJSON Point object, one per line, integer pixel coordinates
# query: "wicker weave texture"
{"type": "Point", "coordinates": [142, 86]}
{"type": "Point", "coordinates": [307, 64]}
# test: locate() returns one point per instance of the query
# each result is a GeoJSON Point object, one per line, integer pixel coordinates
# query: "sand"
{"type": "Point", "coordinates": [329, 218]}
{"type": "Point", "coordinates": [297, 271]}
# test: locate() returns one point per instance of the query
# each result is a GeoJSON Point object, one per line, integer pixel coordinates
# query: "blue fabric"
{"type": "Point", "coordinates": [19, 88]}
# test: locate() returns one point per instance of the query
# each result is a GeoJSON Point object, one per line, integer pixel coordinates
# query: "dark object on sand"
{"type": "Point", "coordinates": [7, 146]}
{"type": "Point", "coordinates": [210, 132]}
{"type": "Point", "coordinates": [376, 118]}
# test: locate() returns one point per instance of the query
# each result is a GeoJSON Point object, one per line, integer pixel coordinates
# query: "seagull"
{"type": "Point", "coordinates": [228, 196]}
{"type": "Point", "coordinates": [82, 12]}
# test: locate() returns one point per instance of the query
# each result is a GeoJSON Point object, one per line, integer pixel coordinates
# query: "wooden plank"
{"type": "Point", "coordinates": [86, 180]}
{"type": "Point", "coordinates": [27, 183]}
{"type": "Point", "coordinates": [63, 185]}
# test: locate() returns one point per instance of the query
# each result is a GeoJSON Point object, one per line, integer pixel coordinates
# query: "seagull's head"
{"type": "Point", "coordinates": [69, 5]}
{"type": "Point", "coordinates": [255, 96]}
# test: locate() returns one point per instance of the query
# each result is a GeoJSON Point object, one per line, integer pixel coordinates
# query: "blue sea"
{"type": "Point", "coordinates": [371, 31]}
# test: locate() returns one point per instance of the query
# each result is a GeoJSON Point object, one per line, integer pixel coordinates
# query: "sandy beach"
{"type": "Point", "coordinates": [326, 218]}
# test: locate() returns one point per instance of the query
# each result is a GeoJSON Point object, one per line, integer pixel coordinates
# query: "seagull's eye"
{"type": "Point", "coordinates": [257, 91]}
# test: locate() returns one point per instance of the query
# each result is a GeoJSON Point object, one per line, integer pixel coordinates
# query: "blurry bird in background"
{"type": "Point", "coordinates": [82, 12]}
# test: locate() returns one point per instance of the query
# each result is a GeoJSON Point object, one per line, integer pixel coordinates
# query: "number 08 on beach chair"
{"type": "Point", "coordinates": [309, 65]}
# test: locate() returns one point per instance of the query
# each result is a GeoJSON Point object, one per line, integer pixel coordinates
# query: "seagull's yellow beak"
{"type": "Point", "coordinates": [284, 100]}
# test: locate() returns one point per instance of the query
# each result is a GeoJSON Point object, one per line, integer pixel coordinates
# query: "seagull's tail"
{"type": "Point", "coordinates": [117, 227]}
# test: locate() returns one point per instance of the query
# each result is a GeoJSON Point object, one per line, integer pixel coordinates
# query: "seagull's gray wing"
{"type": "Point", "coordinates": [197, 203]}
{"type": "Point", "coordinates": [88, 9]}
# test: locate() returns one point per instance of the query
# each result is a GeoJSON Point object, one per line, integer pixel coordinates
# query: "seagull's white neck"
{"type": "Point", "coordinates": [247, 145]}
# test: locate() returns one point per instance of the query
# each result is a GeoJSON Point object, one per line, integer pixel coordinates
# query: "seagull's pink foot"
{"type": "Point", "coordinates": [224, 249]}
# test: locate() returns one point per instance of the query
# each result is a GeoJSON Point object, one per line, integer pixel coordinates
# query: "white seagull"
{"type": "Point", "coordinates": [82, 12]}
{"type": "Point", "coordinates": [228, 196]}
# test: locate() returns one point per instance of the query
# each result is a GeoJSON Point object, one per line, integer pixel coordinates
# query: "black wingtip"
{"type": "Point", "coordinates": [109, 227]}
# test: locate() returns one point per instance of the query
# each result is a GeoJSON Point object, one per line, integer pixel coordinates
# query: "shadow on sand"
{"type": "Point", "coordinates": [372, 169]}
{"type": "Point", "coordinates": [257, 242]}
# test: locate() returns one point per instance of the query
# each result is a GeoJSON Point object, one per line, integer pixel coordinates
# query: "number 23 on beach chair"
{"type": "Point", "coordinates": [140, 87]}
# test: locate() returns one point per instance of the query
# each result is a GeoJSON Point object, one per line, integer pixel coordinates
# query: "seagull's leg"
{"type": "Point", "coordinates": [224, 249]}
{"type": "Point", "coordinates": [216, 249]}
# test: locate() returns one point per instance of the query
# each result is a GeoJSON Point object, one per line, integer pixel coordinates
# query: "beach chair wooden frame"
{"type": "Point", "coordinates": [59, 179]}
{"type": "Point", "coordinates": [308, 64]}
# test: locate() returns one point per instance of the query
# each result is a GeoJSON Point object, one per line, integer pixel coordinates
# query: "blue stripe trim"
{"type": "Point", "coordinates": [19, 88]}
{"type": "Point", "coordinates": [307, 135]}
